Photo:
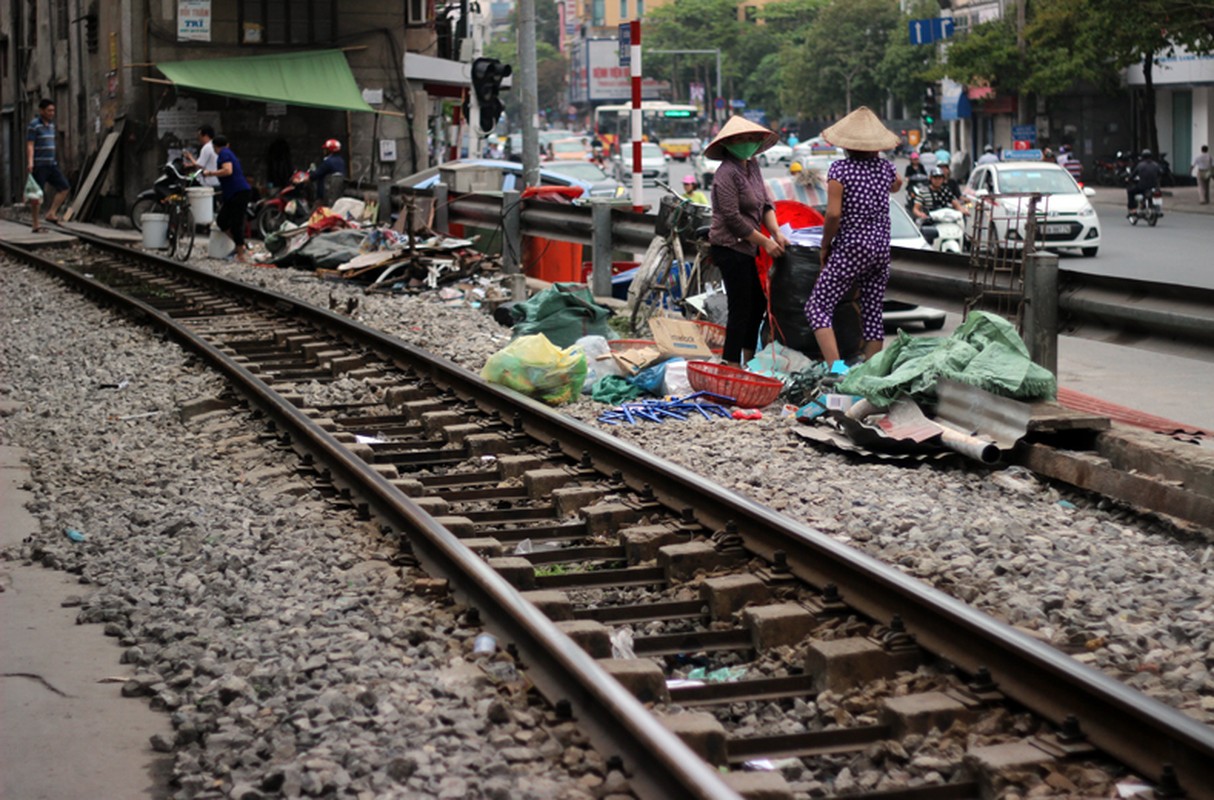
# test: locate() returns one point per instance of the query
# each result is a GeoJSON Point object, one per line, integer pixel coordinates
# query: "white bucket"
{"type": "Point", "coordinates": [202, 204]}
{"type": "Point", "coordinates": [220, 245]}
{"type": "Point", "coordinates": [155, 231]}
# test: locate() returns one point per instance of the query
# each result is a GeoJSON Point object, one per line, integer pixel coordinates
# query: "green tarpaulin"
{"type": "Point", "coordinates": [318, 79]}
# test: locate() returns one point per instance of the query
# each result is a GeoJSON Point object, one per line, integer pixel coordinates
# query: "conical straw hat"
{"type": "Point", "coordinates": [861, 130]}
{"type": "Point", "coordinates": [735, 126]}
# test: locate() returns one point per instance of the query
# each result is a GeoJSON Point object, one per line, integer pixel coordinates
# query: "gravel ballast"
{"type": "Point", "coordinates": [233, 587]}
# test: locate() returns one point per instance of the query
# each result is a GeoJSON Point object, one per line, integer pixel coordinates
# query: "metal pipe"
{"type": "Point", "coordinates": [1041, 303]}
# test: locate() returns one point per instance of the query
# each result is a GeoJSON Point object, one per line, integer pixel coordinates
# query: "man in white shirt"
{"type": "Point", "coordinates": [1203, 168]}
{"type": "Point", "coordinates": [988, 156]}
{"type": "Point", "coordinates": [207, 158]}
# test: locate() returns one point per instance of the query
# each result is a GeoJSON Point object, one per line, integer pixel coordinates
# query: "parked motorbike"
{"type": "Point", "coordinates": [944, 230]}
{"type": "Point", "coordinates": [174, 179]}
{"type": "Point", "coordinates": [290, 204]}
{"type": "Point", "coordinates": [1148, 206]}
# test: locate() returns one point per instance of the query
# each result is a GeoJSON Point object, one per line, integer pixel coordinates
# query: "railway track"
{"type": "Point", "coordinates": [559, 538]}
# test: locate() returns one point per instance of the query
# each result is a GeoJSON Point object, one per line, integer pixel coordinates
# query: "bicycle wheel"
{"type": "Point", "coordinates": [645, 294]}
{"type": "Point", "coordinates": [185, 233]}
{"type": "Point", "coordinates": [140, 207]}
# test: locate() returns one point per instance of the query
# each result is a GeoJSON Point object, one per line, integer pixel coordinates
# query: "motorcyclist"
{"type": "Point", "coordinates": [333, 164]}
{"type": "Point", "coordinates": [691, 191]}
{"type": "Point", "coordinates": [935, 195]}
{"type": "Point", "coordinates": [1144, 180]}
{"type": "Point", "coordinates": [915, 175]}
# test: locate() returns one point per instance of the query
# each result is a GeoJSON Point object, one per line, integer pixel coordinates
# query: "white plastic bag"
{"type": "Point", "coordinates": [33, 192]}
{"type": "Point", "coordinates": [599, 362]}
{"type": "Point", "coordinates": [675, 382]}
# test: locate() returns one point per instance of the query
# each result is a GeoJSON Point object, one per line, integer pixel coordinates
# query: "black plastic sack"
{"type": "Point", "coordinates": [792, 280]}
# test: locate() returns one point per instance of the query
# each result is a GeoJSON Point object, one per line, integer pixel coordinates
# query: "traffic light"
{"type": "Point", "coordinates": [930, 109]}
{"type": "Point", "coordinates": [487, 76]}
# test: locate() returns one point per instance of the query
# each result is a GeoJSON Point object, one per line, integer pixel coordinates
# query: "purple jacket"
{"type": "Point", "coordinates": [739, 200]}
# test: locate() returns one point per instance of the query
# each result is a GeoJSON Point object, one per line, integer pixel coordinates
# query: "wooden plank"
{"type": "Point", "coordinates": [100, 163]}
{"type": "Point", "coordinates": [1091, 472]}
{"type": "Point", "coordinates": [1048, 417]}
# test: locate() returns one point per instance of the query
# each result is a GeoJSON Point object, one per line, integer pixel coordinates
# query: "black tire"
{"type": "Point", "coordinates": [181, 234]}
{"type": "Point", "coordinates": [1090, 252]}
{"type": "Point", "coordinates": [140, 207]}
{"type": "Point", "coordinates": [269, 220]}
{"type": "Point", "coordinates": [1152, 218]}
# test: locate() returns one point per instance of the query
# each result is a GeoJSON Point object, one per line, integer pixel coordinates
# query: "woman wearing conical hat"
{"type": "Point", "coordinates": [855, 238]}
{"type": "Point", "coordinates": [741, 208]}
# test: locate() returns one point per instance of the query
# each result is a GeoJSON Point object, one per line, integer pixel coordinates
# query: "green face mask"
{"type": "Point", "coordinates": [743, 150]}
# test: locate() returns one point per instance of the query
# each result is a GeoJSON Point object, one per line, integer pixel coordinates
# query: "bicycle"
{"type": "Point", "coordinates": [666, 280]}
{"type": "Point", "coordinates": [181, 226]}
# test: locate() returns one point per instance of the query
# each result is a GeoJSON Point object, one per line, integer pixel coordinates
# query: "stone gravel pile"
{"type": "Point", "coordinates": [297, 649]}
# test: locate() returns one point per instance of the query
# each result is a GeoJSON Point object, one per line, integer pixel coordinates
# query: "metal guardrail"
{"type": "Point", "coordinates": [1141, 313]}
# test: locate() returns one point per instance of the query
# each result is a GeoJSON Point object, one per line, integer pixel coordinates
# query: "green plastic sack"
{"type": "Point", "coordinates": [535, 367]}
{"type": "Point", "coordinates": [985, 351]}
{"type": "Point", "coordinates": [564, 312]}
{"type": "Point", "coordinates": [33, 192]}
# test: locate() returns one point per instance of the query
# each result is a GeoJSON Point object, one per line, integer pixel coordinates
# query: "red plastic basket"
{"type": "Point", "coordinates": [748, 389]}
{"type": "Point", "coordinates": [714, 335]}
{"type": "Point", "coordinates": [624, 345]}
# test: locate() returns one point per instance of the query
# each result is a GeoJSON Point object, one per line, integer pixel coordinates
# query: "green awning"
{"type": "Point", "coordinates": [318, 79]}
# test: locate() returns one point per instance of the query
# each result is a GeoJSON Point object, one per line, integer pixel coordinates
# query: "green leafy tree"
{"type": "Point", "coordinates": [905, 68]}
{"type": "Point", "coordinates": [836, 69]}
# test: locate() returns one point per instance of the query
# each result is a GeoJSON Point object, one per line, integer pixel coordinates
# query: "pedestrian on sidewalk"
{"type": "Point", "coordinates": [1203, 167]}
{"type": "Point", "coordinates": [236, 194]}
{"type": "Point", "coordinates": [42, 161]}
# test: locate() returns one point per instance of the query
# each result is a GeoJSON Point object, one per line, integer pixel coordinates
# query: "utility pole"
{"type": "Point", "coordinates": [527, 88]}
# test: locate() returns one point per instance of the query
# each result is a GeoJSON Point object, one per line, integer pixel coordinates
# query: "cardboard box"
{"type": "Point", "coordinates": [636, 359]}
{"type": "Point", "coordinates": [679, 337]}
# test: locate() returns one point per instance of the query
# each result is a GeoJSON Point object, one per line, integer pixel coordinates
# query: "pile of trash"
{"type": "Point", "coordinates": [339, 245]}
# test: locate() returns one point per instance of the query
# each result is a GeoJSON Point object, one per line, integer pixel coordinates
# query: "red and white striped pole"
{"type": "Point", "coordinates": [638, 187]}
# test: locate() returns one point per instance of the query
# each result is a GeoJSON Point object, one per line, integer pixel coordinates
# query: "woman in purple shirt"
{"type": "Point", "coordinates": [741, 207]}
{"type": "Point", "coordinates": [855, 237]}
{"type": "Point", "coordinates": [236, 194]}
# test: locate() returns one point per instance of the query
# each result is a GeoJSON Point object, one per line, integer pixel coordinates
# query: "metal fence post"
{"type": "Point", "coordinates": [512, 231]}
{"type": "Point", "coordinates": [1041, 302]}
{"type": "Point", "coordinates": [385, 199]}
{"type": "Point", "coordinates": [440, 208]}
{"type": "Point", "coordinates": [600, 274]}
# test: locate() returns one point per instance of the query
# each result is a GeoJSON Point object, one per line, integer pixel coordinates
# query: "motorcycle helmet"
{"type": "Point", "coordinates": [689, 180]}
{"type": "Point", "coordinates": [936, 173]}
{"type": "Point", "coordinates": [914, 156]}
{"type": "Point", "coordinates": [795, 167]}
{"type": "Point", "coordinates": [1146, 154]}
{"type": "Point", "coordinates": [988, 149]}
{"type": "Point", "coordinates": [331, 146]}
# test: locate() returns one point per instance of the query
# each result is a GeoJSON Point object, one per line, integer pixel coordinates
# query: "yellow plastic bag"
{"type": "Point", "coordinates": [535, 367]}
{"type": "Point", "coordinates": [33, 192]}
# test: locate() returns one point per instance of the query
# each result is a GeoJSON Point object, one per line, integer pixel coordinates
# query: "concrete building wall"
{"type": "Point", "coordinates": [98, 88]}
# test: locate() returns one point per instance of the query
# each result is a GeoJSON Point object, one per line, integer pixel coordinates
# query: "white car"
{"type": "Point", "coordinates": [1068, 219]}
{"type": "Point", "coordinates": [778, 153]}
{"type": "Point", "coordinates": [654, 165]}
{"type": "Point", "coordinates": [816, 146]}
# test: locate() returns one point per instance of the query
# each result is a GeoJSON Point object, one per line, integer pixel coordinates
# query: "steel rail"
{"type": "Point", "coordinates": [1141, 732]}
{"type": "Point", "coordinates": [658, 763]}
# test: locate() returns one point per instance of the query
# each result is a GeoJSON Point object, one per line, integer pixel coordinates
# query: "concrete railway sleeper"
{"type": "Point", "coordinates": [683, 627]}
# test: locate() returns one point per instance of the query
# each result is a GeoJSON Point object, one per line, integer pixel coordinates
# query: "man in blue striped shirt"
{"type": "Point", "coordinates": [41, 160]}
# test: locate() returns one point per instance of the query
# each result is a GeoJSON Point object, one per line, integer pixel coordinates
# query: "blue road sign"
{"type": "Point", "coordinates": [625, 44]}
{"type": "Point", "coordinates": [932, 29]}
{"type": "Point", "coordinates": [920, 31]}
{"type": "Point", "coordinates": [719, 102]}
{"type": "Point", "coordinates": [1024, 133]}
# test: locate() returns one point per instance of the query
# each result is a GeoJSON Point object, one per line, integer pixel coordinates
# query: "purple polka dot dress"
{"type": "Point", "coordinates": [859, 253]}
